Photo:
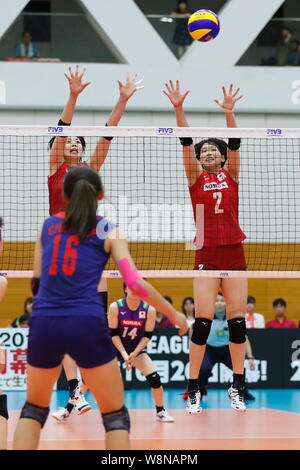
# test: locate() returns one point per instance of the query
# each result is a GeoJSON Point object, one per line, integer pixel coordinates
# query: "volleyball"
{"type": "Point", "coordinates": [204, 25]}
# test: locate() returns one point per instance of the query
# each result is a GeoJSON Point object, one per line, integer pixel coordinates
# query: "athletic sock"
{"type": "Point", "coordinates": [69, 407]}
{"type": "Point", "coordinates": [72, 384]}
{"type": "Point", "coordinates": [159, 409]}
{"type": "Point", "coordinates": [193, 385]}
{"type": "Point", "coordinates": [238, 381]}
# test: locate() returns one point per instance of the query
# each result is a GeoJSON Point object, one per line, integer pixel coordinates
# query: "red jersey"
{"type": "Point", "coordinates": [284, 324]}
{"type": "Point", "coordinates": [55, 185]}
{"type": "Point", "coordinates": [219, 195]}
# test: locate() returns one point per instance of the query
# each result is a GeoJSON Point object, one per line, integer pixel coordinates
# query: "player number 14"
{"type": "Point", "coordinates": [132, 333]}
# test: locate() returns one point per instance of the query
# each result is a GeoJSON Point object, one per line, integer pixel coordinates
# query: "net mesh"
{"type": "Point", "coordinates": [146, 194]}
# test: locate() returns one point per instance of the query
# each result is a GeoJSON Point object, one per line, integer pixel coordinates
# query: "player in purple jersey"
{"type": "Point", "coordinates": [68, 316]}
{"type": "Point", "coordinates": [3, 396]}
{"type": "Point", "coordinates": [132, 321]}
{"type": "Point", "coordinates": [67, 152]}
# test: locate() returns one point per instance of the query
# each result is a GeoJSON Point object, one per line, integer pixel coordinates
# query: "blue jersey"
{"type": "Point", "coordinates": [219, 333]}
{"type": "Point", "coordinates": [71, 270]}
{"type": "Point", "coordinates": [131, 324]}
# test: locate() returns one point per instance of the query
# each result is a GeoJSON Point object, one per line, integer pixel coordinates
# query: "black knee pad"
{"type": "Point", "coordinates": [38, 413]}
{"type": "Point", "coordinates": [154, 380]}
{"type": "Point", "coordinates": [201, 330]}
{"type": "Point", "coordinates": [116, 420]}
{"type": "Point", "coordinates": [237, 330]}
{"type": "Point", "coordinates": [3, 406]}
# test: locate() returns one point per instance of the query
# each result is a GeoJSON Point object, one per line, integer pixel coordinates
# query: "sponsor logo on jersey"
{"type": "Point", "coordinates": [131, 323]}
{"type": "Point", "coordinates": [142, 314]}
{"type": "Point", "coordinates": [221, 176]}
{"type": "Point", "coordinates": [213, 186]}
{"type": "Point", "coordinates": [122, 313]}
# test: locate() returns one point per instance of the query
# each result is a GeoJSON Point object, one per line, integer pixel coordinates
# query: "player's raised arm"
{"type": "Point", "coordinates": [117, 246]}
{"type": "Point", "coordinates": [58, 144]}
{"type": "Point", "coordinates": [229, 100]}
{"type": "Point", "coordinates": [191, 165]}
{"type": "Point", "coordinates": [149, 328]}
{"type": "Point", "coordinates": [112, 315]}
{"type": "Point", "coordinates": [126, 91]}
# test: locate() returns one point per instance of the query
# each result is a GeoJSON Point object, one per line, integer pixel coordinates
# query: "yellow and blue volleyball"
{"type": "Point", "coordinates": [204, 25]}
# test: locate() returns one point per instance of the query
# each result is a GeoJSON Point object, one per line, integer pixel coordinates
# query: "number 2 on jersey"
{"type": "Point", "coordinates": [69, 258]}
{"type": "Point", "coordinates": [218, 196]}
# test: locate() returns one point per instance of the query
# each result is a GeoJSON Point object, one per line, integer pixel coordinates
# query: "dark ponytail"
{"type": "Point", "coordinates": [82, 186]}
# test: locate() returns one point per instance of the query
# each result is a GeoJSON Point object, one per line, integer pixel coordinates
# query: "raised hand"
{"type": "Point", "coordinates": [75, 81]}
{"type": "Point", "coordinates": [174, 94]}
{"type": "Point", "coordinates": [130, 86]}
{"type": "Point", "coordinates": [229, 99]}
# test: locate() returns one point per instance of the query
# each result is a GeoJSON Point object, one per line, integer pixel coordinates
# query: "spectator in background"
{"type": "Point", "coordinates": [293, 56]}
{"type": "Point", "coordinates": [253, 319]}
{"type": "Point", "coordinates": [280, 320]}
{"type": "Point", "coordinates": [182, 38]}
{"type": "Point", "coordinates": [283, 46]}
{"type": "Point", "coordinates": [24, 321]}
{"type": "Point", "coordinates": [25, 316]}
{"type": "Point", "coordinates": [26, 48]}
{"type": "Point", "coordinates": [188, 308]}
{"type": "Point", "coordinates": [161, 320]}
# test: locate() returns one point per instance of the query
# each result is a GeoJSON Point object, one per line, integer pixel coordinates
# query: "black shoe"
{"type": "Point", "coordinates": [203, 392]}
{"type": "Point", "coordinates": [248, 396]}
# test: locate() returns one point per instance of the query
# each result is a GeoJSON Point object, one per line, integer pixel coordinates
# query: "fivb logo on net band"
{"type": "Point", "coordinates": [165, 130]}
{"type": "Point", "coordinates": [274, 132]}
{"type": "Point", "coordinates": [55, 129]}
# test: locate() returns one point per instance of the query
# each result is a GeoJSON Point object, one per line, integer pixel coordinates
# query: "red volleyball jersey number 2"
{"type": "Point", "coordinates": [70, 256]}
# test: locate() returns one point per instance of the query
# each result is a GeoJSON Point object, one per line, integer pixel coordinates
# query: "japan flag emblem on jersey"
{"type": "Point", "coordinates": [221, 176]}
{"type": "Point", "coordinates": [142, 314]}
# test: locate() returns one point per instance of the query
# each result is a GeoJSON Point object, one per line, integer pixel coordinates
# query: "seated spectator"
{"type": "Point", "coordinates": [282, 48]}
{"type": "Point", "coordinates": [182, 38]}
{"type": "Point", "coordinates": [161, 320]}
{"type": "Point", "coordinates": [293, 56]}
{"type": "Point", "coordinates": [253, 319]}
{"type": "Point", "coordinates": [280, 320]}
{"type": "Point", "coordinates": [26, 48]}
{"type": "Point", "coordinates": [24, 320]}
{"type": "Point", "coordinates": [27, 311]}
{"type": "Point", "coordinates": [188, 308]}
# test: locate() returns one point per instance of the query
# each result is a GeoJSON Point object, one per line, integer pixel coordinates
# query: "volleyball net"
{"type": "Point", "coordinates": [147, 196]}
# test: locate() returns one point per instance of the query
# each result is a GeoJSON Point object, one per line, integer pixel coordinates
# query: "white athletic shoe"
{"type": "Point", "coordinates": [79, 402]}
{"type": "Point", "coordinates": [61, 415]}
{"type": "Point", "coordinates": [237, 399]}
{"type": "Point", "coordinates": [193, 403]}
{"type": "Point", "coordinates": [164, 417]}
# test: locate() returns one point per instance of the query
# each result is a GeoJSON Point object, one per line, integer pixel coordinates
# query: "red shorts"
{"type": "Point", "coordinates": [225, 257]}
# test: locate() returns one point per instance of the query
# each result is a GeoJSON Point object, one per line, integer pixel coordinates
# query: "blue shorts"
{"type": "Point", "coordinates": [85, 338]}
